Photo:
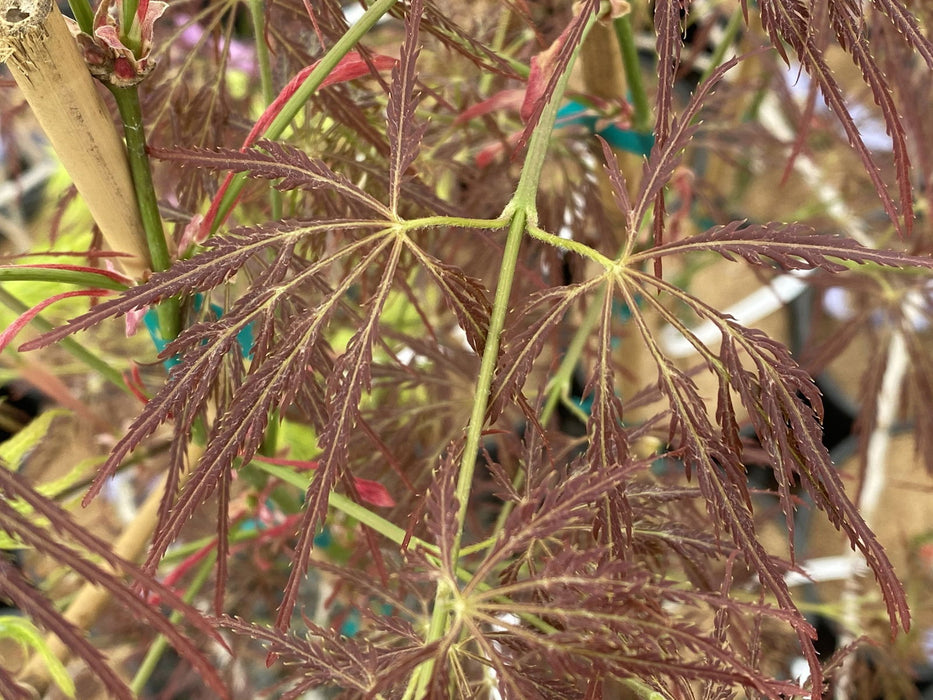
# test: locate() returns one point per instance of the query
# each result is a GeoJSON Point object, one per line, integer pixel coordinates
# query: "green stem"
{"type": "Point", "coordinates": [270, 440]}
{"type": "Point", "coordinates": [127, 99]}
{"type": "Point", "coordinates": [347, 506]}
{"type": "Point", "coordinates": [561, 381]}
{"type": "Point", "coordinates": [258, 17]}
{"type": "Point", "coordinates": [642, 690]}
{"type": "Point", "coordinates": [498, 41]}
{"type": "Point", "coordinates": [452, 221]}
{"type": "Point", "coordinates": [727, 40]}
{"type": "Point", "coordinates": [522, 212]}
{"type": "Point", "coordinates": [128, 10]}
{"type": "Point", "coordinates": [298, 100]}
{"type": "Point", "coordinates": [19, 273]}
{"type": "Point", "coordinates": [488, 365]}
{"type": "Point", "coordinates": [161, 643]}
{"type": "Point", "coordinates": [69, 344]}
{"type": "Point", "coordinates": [581, 249]}
{"type": "Point", "coordinates": [362, 515]}
{"type": "Point", "coordinates": [641, 119]}
{"type": "Point", "coordinates": [84, 15]}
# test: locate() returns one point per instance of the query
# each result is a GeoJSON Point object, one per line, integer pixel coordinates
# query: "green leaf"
{"type": "Point", "coordinates": [13, 452]}
{"type": "Point", "coordinates": [21, 630]}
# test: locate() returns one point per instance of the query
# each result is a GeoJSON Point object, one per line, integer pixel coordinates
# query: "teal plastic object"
{"type": "Point", "coordinates": [151, 319]}
{"type": "Point", "coordinates": [624, 139]}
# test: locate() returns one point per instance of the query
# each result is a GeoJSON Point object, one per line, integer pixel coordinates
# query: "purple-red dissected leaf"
{"type": "Point", "coordinates": [789, 20]}
{"type": "Point", "coordinates": [668, 44]}
{"type": "Point", "coordinates": [784, 406]}
{"type": "Point", "coordinates": [849, 24]}
{"type": "Point", "coordinates": [790, 430]}
{"type": "Point", "coordinates": [438, 22]}
{"type": "Point", "coordinates": [579, 586]}
{"type": "Point", "coordinates": [226, 255]}
{"type": "Point", "coordinates": [326, 658]}
{"type": "Point", "coordinates": [752, 393]}
{"type": "Point", "coordinates": [548, 66]}
{"type": "Point", "coordinates": [270, 160]}
{"type": "Point", "coordinates": [519, 351]}
{"type": "Point", "coordinates": [511, 679]}
{"type": "Point", "coordinates": [345, 386]}
{"type": "Point", "coordinates": [38, 609]}
{"type": "Point", "coordinates": [671, 134]}
{"type": "Point", "coordinates": [792, 246]}
{"type": "Point", "coordinates": [272, 382]}
{"type": "Point", "coordinates": [443, 507]}
{"type": "Point", "coordinates": [223, 537]}
{"type": "Point", "coordinates": [465, 296]}
{"type": "Point", "coordinates": [239, 431]}
{"type": "Point", "coordinates": [617, 180]}
{"type": "Point", "coordinates": [403, 133]}
{"type": "Point", "coordinates": [27, 529]}
{"type": "Point", "coordinates": [721, 476]}
{"type": "Point", "coordinates": [608, 447]}
{"type": "Point", "coordinates": [189, 384]}
{"type": "Point", "coordinates": [907, 26]}
{"type": "Point", "coordinates": [665, 155]}
{"type": "Point", "coordinates": [608, 442]}
{"type": "Point", "coordinates": [549, 510]}
{"type": "Point", "coordinates": [351, 66]}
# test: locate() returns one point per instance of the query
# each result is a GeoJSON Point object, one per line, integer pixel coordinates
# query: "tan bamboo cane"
{"type": "Point", "coordinates": [48, 67]}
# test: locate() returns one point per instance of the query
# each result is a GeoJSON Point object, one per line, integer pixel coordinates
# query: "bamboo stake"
{"type": "Point", "coordinates": [49, 69]}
